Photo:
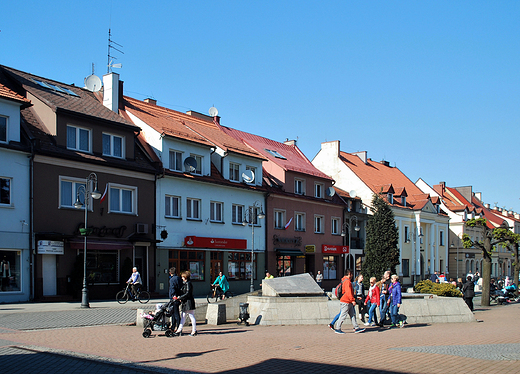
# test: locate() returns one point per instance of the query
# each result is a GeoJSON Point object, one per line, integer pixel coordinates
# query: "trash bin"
{"type": "Point", "coordinates": [243, 316]}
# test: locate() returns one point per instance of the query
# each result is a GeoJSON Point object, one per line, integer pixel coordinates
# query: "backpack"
{"type": "Point", "coordinates": [338, 291]}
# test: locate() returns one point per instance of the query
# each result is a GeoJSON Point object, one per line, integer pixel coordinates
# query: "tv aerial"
{"type": "Point", "coordinates": [190, 164]}
{"type": "Point", "coordinates": [213, 112]}
{"type": "Point", "coordinates": [111, 58]}
{"type": "Point", "coordinates": [331, 191]}
{"type": "Point", "coordinates": [352, 193]}
{"type": "Point", "coordinates": [248, 176]}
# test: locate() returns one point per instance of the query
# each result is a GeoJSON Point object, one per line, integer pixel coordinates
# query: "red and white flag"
{"type": "Point", "coordinates": [104, 195]}
{"type": "Point", "coordinates": [288, 223]}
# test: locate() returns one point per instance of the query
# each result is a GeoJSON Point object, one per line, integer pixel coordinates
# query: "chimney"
{"type": "Point", "coordinates": [332, 147]}
{"type": "Point", "coordinates": [290, 142]}
{"type": "Point", "coordinates": [150, 101]}
{"type": "Point", "coordinates": [111, 91]}
{"type": "Point", "coordinates": [386, 163]}
{"type": "Point", "coordinates": [478, 195]}
{"type": "Point", "coordinates": [443, 187]}
{"type": "Point", "coordinates": [487, 206]}
{"type": "Point", "coordinates": [517, 216]}
{"type": "Point", "coordinates": [362, 156]}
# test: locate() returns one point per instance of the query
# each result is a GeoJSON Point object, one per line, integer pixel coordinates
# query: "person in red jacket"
{"type": "Point", "coordinates": [347, 304]}
{"type": "Point", "coordinates": [373, 301]}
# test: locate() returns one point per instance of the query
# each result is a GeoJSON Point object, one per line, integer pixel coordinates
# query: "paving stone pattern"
{"type": "Point", "coordinates": [498, 352]}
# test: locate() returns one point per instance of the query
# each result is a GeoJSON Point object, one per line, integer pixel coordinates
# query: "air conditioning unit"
{"type": "Point", "coordinates": [142, 228]}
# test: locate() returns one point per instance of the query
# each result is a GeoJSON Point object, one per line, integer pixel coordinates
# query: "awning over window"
{"type": "Point", "coordinates": [288, 252]}
{"type": "Point", "coordinates": [100, 245]}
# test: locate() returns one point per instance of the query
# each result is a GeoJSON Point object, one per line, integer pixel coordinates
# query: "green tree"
{"type": "Point", "coordinates": [492, 236]}
{"type": "Point", "coordinates": [381, 251]}
{"type": "Point", "coordinates": [511, 241]}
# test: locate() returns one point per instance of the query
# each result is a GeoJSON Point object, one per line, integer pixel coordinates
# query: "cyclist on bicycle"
{"type": "Point", "coordinates": [222, 282]}
{"type": "Point", "coordinates": [135, 281]}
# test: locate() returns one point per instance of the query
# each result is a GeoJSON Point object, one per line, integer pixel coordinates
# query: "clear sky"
{"type": "Point", "coordinates": [430, 86]}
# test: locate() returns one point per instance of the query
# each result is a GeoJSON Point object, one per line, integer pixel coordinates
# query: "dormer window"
{"type": "Point", "coordinates": [299, 186]}
{"type": "Point", "coordinates": [113, 145]}
{"type": "Point", "coordinates": [234, 172]}
{"type": "Point", "coordinates": [78, 138]}
{"type": "Point", "coordinates": [390, 198]}
{"type": "Point", "coordinates": [275, 154]}
{"type": "Point", "coordinates": [175, 160]}
{"type": "Point", "coordinates": [403, 200]}
{"type": "Point", "coordinates": [318, 190]}
{"type": "Point", "coordinates": [3, 129]}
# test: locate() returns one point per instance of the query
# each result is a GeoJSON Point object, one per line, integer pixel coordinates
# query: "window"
{"type": "Point", "coordinates": [175, 160]}
{"type": "Point", "coordinates": [441, 238]}
{"type": "Point", "coordinates": [78, 138]}
{"type": "Point", "coordinates": [330, 264]}
{"type": "Point", "coordinates": [299, 186]}
{"type": "Point", "coordinates": [335, 226]}
{"type": "Point", "coordinates": [406, 234]}
{"type": "Point", "coordinates": [69, 192]}
{"type": "Point", "coordinates": [275, 154]}
{"type": "Point", "coordinates": [318, 224]}
{"type": "Point", "coordinates": [239, 265]}
{"type": "Point", "coordinates": [403, 200]}
{"type": "Point", "coordinates": [113, 145]}
{"type": "Point", "coordinates": [197, 158]}
{"type": "Point", "coordinates": [102, 266]}
{"type": "Point", "coordinates": [3, 129]}
{"type": "Point", "coordinates": [172, 206]}
{"type": "Point", "coordinates": [193, 208]}
{"type": "Point", "coordinates": [5, 191]}
{"type": "Point", "coordinates": [188, 260]}
{"type": "Point", "coordinates": [122, 199]}
{"type": "Point", "coordinates": [284, 266]}
{"type": "Point", "coordinates": [405, 267]}
{"type": "Point", "coordinates": [234, 172]}
{"type": "Point", "coordinates": [390, 197]}
{"type": "Point", "coordinates": [279, 219]}
{"type": "Point", "coordinates": [237, 214]}
{"type": "Point", "coordinates": [216, 209]}
{"type": "Point", "coordinates": [318, 190]}
{"type": "Point", "coordinates": [10, 268]}
{"type": "Point", "coordinates": [299, 224]}
{"type": "Point", "coordinates": [253, 169]}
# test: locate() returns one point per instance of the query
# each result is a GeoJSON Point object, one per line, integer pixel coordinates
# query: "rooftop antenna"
{"type": "Point", "coordinates": [111, 58]}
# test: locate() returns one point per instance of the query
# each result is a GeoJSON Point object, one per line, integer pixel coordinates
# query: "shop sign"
{"type": "Point", "coordinates": [217, 243]}
{"type": "Point", "coordinates": [50, 247]}
{"type": "Point", "coordinates": [310, 249]}
{"type": "Point", "coordinates": [325, 248]}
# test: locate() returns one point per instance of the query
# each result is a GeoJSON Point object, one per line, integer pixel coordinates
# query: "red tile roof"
{"type": "Point", "coordinates": [380, 177]}
{"type": "Point", "coordinates": [186, 127]}
{"type": "Point", "coordinates": [293, 159]}
{"type": "Point", "coordinates": [6, 93]}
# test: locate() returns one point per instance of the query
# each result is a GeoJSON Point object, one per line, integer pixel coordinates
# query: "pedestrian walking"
{"type": "Point", "coordinates": [174, 291]}
{"type": "Point", "coordinates": [372, 302]}
{"type": "Point", "coordinates": [319, 278]}
{"type": "Point", "coordinates": [359, 291]}
{"type": "Point", "coordinates": [347, 304]}
{"type": "Point", "coordinates": [188, 305]}
{"type": "Point", "coordinates": [468, 290]}
{"type": "Point", "coordinates": [384, 285]}
{"type": "Point", "coordinates": [395, 301]}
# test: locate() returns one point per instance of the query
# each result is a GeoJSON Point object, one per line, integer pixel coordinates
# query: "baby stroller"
{"type": "Point", "coordinates": [158, 321]}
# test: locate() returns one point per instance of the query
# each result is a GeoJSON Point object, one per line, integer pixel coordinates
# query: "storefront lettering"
{"type": "Point", "coordinates": [104, 231]}
{"type": "Point", "coordinates": [296, 240]}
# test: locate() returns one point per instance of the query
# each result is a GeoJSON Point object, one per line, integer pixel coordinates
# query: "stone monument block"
{"type": "Point", "coordinates": [293, 285]}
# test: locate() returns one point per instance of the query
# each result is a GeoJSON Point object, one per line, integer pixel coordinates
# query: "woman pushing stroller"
{"type": "Point", "coordinates": [187, 305]}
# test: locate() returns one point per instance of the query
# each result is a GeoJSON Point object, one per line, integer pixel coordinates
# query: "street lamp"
{"type": "Point", "coordinates": [250, 217]}
{"type": "Point", "coordinates": [417, 237]}
{"type": "Point", "coordinates": [87, 192]}
{"type": "Point", "coordinates": [344, 233]}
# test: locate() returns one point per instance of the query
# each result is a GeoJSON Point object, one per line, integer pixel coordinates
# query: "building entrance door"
{"type": "Point", "coordinates": [216, 265]}
{"type": "Point", "coordinates": [49, 275]}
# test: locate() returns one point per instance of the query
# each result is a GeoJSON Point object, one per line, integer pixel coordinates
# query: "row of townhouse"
{"type": "Point", "coordinates": [181, 189]}
{"type": "Point", "coordinates": [178, 189]}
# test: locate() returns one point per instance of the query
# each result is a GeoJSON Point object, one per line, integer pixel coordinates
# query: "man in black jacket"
{"type": "Point", "coordinates": [175, 291]}
{"type": "Point", "coordinates": [469, 292]}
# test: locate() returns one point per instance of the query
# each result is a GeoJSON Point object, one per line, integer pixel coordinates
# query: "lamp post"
{"type": "Point", "coordinates": [417, 237]}
{"type": "Point", "coordinates": [87, 192]}
{"type": "Point", "coordinates": [344, 233]}
{"type": "Point", "coordinates": [250, 217]}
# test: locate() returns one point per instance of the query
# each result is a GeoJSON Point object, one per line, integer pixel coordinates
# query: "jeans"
{"type": "Point", "coordinates": [333, 323]}
{"type": "Point", "coordinates": [176, 316]}
{"type": "Point", "coordinates": [383, 308]}
{"type": "Point", "coordinates": [394, 314]}
{"type": "Point", "coordinates": [372, 313]}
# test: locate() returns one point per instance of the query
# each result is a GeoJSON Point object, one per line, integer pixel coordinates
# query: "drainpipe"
{"type": "Point", "coordinates": [32, 264]}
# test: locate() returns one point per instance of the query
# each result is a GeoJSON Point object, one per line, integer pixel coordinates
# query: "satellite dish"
{"type": "Point", "coordinates": [248, 176]}
{"type": "Point", "coordinates": [331, 191]}
{"type": "Point", "coordinates": [190, 164]}
{"type": "Point", "coordinates": [213, 112]}
{"type": "Point", "coordinates": [93, 83]}
{"type": "Point", "coordinates": [352, 193]}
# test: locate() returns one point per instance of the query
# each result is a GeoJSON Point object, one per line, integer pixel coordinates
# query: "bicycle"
{"type": "Point", "coordinates": [216, 294]}
{"type": "Point", "coordinates": [123, 296]}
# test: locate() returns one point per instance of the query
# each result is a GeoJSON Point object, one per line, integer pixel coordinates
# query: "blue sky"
{"type": "Point", "coordinates": [431, 87]}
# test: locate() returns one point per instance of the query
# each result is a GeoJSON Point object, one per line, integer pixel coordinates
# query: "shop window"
{"type": "Point", "coordinates": [102, 267]}
{"type": "Point", "coordinates": [239, 265]}
{"type": "Point", "coordinates": [284, 266]}
{"type": "Point", "coordinates": [10, 270]}
{"type": "Point", "coordinates": [330, 266]}
{"type": "Point", "coordinates": [188, 260]}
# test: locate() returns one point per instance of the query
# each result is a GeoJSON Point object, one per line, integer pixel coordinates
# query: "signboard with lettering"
{"type": "Point", "coordinates": [217, 243]}
{"type": "Point", "coordinates": [50, 247]}
{"type": "Point", "coordinates": [310, 249]}
{"type": "Point", "coordinates": [325, 248]}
